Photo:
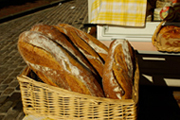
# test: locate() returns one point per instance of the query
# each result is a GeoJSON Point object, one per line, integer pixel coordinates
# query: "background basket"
{"type": "Point", "coordinates": [45, 100]}
{"type": "Point", "coordinates": [156, 42]}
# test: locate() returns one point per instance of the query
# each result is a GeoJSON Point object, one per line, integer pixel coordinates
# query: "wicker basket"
{"type": "Point", "coordinates": [44, 100]}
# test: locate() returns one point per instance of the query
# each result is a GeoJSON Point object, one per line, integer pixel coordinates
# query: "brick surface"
{"type": "Point", "coordinates": [2, 117]}
{"type": "Point", "coordinates": [9, 117]}
{"type": "Point", "coordinates": [3, 87]}
{"type": "Point", "coordinates": [8, 91]}
{"type": "Point", "coordinates": [6, 106]}
{"type": "Point", "coordinates": [11, 63]}
{"type": "Point", "coordinates": [3, 99]}
{"type": "Point", "coordinates": [15, 97]}
{"type": "Point", "coordinates": [12, 114]}
{"type": "Point", "coordinates": [20, 116]}
{"type": "Point", "coordinates": [8, 80]}
{"type": "Point", "coordinates": [14, 84]}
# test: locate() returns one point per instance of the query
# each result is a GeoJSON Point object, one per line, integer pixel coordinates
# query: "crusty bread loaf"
{"type": "Point", "coordinates": [169, 36]}
{"type": "Point", "coordinates": [92, 56]}
{"type": "Point", "coordinates": [118, 71]}
{"type": "Point", "coordinates": [55, 65]}
{"type": "Point", "coordinates": [55, 35]}
{"type": "Point", "coordinates": [98, 46]}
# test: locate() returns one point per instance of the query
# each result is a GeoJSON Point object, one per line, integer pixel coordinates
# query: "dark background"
{"type": "Point", "coordinates": [10, 7]}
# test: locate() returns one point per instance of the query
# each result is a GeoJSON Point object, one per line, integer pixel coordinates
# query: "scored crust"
{"type": "Point", "coordinates": [91, 55]}
{"type": "Point", "coordinates": [55, 65]}
{"type": "Point", "coordinates": [169, 36]}
{"type": "Point", "coordinates": [99, 47]}
{"type": "Point", "coordinates": [118, 71]}
{"type": "Point", "coordinates": [63, 40]}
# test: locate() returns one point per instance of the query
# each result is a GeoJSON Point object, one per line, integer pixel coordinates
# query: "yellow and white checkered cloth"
{"type": "Point", "coordinates": [119, 12]}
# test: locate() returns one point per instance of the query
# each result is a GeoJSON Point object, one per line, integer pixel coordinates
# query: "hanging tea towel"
{"type": "Point", "coordinates": [118, 12]}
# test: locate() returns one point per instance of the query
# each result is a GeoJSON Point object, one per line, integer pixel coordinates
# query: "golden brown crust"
{"type": "Point", "coordinates": [55, 65]}
{"type": "Point", "coordinates": [169, 36]}
{"type": "Point", "coordinates": [55, 35]}
{"type": "Point", "coordinates": [34, 56]}
{"type": "Point", "coordinates": [92, 56]}
{"type": "Point", "coordinates": [168, 28]}
{"type": "Point", "coordinates": [98, 46]}
{"type": "Point", "coordinates": [118, 71]}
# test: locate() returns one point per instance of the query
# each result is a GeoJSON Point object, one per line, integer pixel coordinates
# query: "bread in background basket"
{"type": "Point", "coordinates": [167, 37]}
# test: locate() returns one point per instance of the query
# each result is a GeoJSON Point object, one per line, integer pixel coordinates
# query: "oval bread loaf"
{"type": "Point", "coordinates": [169, 36]}
{"type": "Point", "coordinates": [55, 35]}
{"type": "Point", "coordinates": [55, 65]}
{"type": "Point", "coordinates": [118, 71]}
{"type": "Point", "coordinates": [93, 57]}
{"type": "Point", "coordinates": [98, 46]}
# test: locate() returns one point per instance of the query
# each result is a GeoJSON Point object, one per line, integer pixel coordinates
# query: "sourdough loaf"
{"type": "Point", "coordinates": [98, 46]}
{"type": "Point", "coordinates": [169, 36]}
{"type": "Point", "coordinates": [118, 70]}
{"type": "Point", "coordinates": [55, 65]}
{"type": "Point", "coordinates": [93, 57]}
{"type": "Point", "coordinates": [63, 40]}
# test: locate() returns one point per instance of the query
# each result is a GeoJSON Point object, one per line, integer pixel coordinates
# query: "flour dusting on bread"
{"type": "Point", "coordinates": [41, 41]}
{"type": "Point", "coordinates": [57, 64]}
{"type": "Point", "coordinates": [97, 48]}
{"type": "Point", "coordinates": [118, 70]}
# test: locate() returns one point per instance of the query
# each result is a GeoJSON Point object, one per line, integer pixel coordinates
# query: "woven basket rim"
{"type": "Point", "coordinates": [34, 101]}
{"type": "Point", "coordinates": [24, 78]}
